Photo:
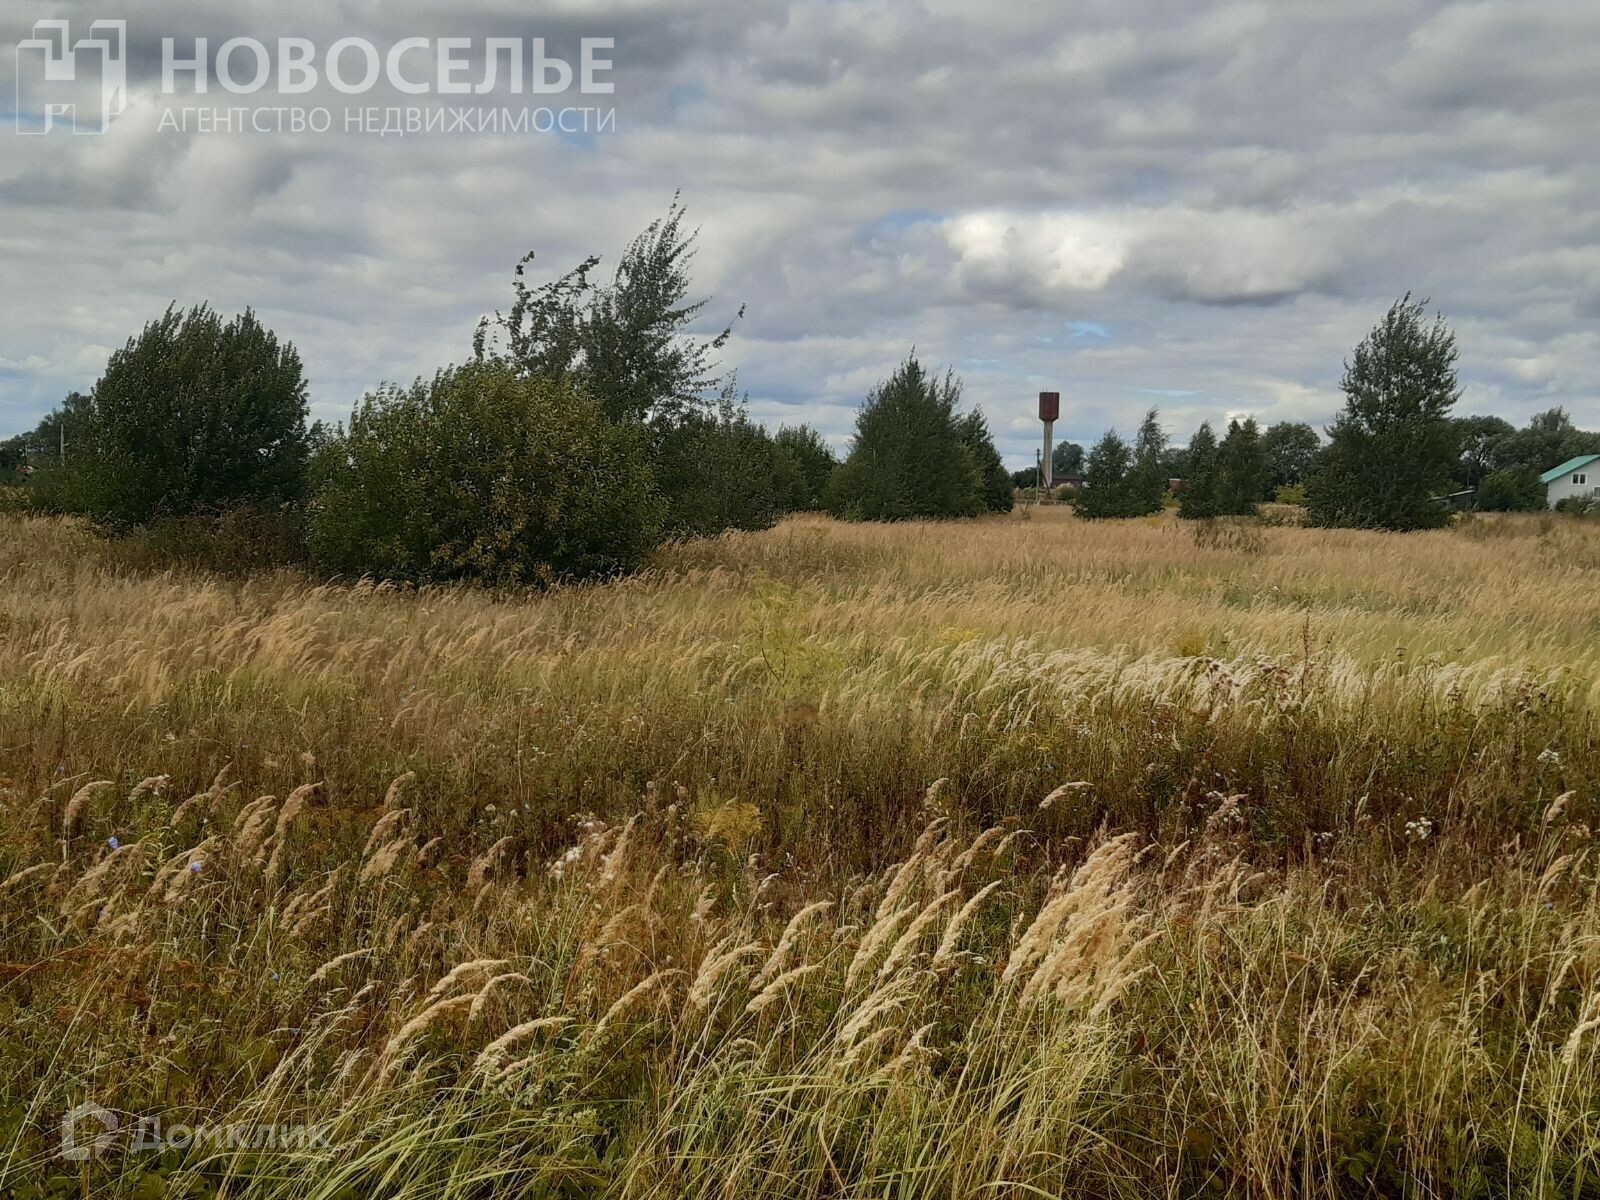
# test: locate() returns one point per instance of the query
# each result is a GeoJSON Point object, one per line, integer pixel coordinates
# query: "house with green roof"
{"type": "Point", "coordinates": [1579, 477]}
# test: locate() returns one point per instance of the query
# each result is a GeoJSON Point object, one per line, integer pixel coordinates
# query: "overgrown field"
{"type": "Point", "coordinates": [1014, 858]}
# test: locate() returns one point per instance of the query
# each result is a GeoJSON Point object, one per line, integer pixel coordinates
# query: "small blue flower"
{"type": "Point", "coordinates": [113, 843]}
{"type": "Point", "coordinates": [194, 868]}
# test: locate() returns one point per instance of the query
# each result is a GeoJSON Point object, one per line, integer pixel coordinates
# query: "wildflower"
{"type": "Point", "coordinates": [194, 868]}
{"type": "Point", "coordinates": [1549, 758]}
{"type": "Point", "coordinates": [113, 843]}
{"type": "Point", "coordinates": [1418, 828]}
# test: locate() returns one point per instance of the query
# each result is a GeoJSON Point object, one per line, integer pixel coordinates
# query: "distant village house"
{"type": "Point", "coordinates": [1577, 479]}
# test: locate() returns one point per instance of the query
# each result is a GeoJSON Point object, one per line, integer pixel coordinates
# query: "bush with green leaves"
{"type": "Point", "coordinates": [483, 475]}
{"type": "Point", "coordinates": [1512, 489]}
{"type": "Point", "coordinates": [915, 456]}
{"type": "Point", "coordinates": [195, 416]}
{"type": "Point", "coordinates": [1295, 495]}
{"type": "Point", "coordinates": [803, 464]}
{"type": "Point", "coordinates": [716, 471]}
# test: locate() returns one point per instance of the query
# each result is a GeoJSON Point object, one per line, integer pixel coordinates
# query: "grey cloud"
{"type": "Point", "coordinates": [1235, 192]}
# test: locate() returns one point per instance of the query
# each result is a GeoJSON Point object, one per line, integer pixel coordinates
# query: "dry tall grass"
{"type": "Point", "coordinates": [1015, 858]}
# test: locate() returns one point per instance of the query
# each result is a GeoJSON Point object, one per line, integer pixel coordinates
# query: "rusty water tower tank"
{"type": "Point", "coordinates": [1049, 406]}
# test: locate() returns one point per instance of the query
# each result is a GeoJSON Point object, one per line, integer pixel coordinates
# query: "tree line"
{"type": "Point", "coordinates": [587, 426]}
{"type": "Point", "coordinates": [1392, 456]}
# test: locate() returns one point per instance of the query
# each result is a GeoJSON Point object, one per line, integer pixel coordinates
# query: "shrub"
{"type": "Point", "coordinates": [1290, 494]}
{"type": "Point", "coordinates": [1512, 489]}
{"type": "Point", "coordinates": [235, 542]}
{"type": "Point", "coordinates": [485, 476]}
{"type": "Point", "coordinates": [716, 471]}
{"type": "Point", "coordinates": [803, 464]}
{"type": "Point", "coordinates": [193, 416]}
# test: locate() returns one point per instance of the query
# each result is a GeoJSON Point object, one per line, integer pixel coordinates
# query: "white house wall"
{"type": "Point", "coordinates": [1565, 489]}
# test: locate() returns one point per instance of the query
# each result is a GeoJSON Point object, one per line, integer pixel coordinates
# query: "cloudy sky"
{"type": "Point", "coordinates": [1134, 202]}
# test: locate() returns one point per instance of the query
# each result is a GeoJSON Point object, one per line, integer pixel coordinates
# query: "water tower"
{"type": "Point", "coordinates": [1049, 411]}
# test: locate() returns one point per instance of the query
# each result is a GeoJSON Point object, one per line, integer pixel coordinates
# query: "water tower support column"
{"type": "Point", "coordinates": [1049, 411]}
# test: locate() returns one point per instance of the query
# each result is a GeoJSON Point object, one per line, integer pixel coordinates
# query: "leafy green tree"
{"type": "Point", "coordinates": [1292, 449]}
{"type": "Point", "coordinates": [1198, 500]}
{"type": "Point", "coordinates": [1479, 439]}
{"type": "Point", "coordinates": [486, 476]}
{"type": "Point", "coordinates": [63, 427]}
{"type": "Point", "coordinates": [1175, 463]}
{"type": "Point", "coordinates": [1549, 440]}
{"type": "Point", "coordinates": [1242, 470]}
{"type": "Point", "coordinates": [804, 464]}
{"type": "Point", "coordinates": [1147, 482]}
{"type": "Point", "coordinates": [1392, 449]}
{"type": "Point", "coordinates": [909, 458]}
{"type": "Point", "coordinates": [193, 416]}
{"type": "Point", "coordinates": [1066, 459]}
{"type": "Point", "coordinates": [1106, 480]}
{"type": "Point", "coordinates": [13, 454]}
{"type": "Point", "coordinates": [1512, 489]}
{"type": "Point", "coordinates": [980, 447]}
{"type": "Point", "coordinates": [627, 342]}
